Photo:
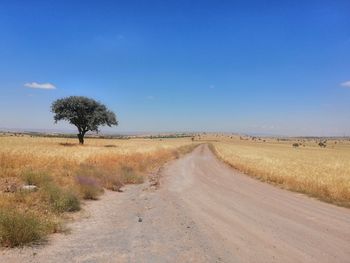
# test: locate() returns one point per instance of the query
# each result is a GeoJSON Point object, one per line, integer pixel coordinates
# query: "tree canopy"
{"type": "Point", "coordinates": [85, 113]}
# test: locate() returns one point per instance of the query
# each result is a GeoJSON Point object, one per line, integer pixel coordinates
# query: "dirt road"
{"type": "Point", "coordinates": [203, 212]}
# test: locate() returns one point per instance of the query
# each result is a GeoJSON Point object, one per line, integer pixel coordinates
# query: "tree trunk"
{"type": "Point", "coordinates": [81, 138]}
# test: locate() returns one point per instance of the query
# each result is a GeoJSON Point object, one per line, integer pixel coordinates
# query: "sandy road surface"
{"type": "Point", "coordinates": [203, 212]}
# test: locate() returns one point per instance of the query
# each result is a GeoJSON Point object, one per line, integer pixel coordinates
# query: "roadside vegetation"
{"type": "Point", "coordinates": [43, 180]}
{"type": "Point", "coordinates": [317, 168]}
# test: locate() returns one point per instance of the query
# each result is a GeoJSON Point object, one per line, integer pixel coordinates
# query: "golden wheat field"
{"type": "Point", "coordinates": [320, 172]}
{"type": "Point", "coordinates": [64, 173]}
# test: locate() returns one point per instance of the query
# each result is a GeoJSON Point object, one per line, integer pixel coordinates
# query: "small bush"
{"type": "Point", "coordinates": [89, 187]}
{"type": "Point", "coordinates": [36, 178]}
{"type": "Point", "coordinates": [129, 176]}
{"type": "Point", "coordinates": [18, 228]}
{"type": "Point", "coordinates": [61, 200]}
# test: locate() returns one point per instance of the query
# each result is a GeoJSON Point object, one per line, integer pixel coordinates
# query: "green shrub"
{"type": "Point", "coordinates": [18, 228]}
{"type": "Point", "coordinates": [129, 176]}
{"type": "Point", "coordinates": [61, 200]}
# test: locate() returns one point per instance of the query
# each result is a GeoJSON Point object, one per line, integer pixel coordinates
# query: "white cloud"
{"type": "Point", "coordinates": [345, 84]}
{"type": "Point", "coordinates": [36, 85]}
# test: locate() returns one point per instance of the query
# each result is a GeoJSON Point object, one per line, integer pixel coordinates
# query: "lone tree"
{"type": "Point", "coordinates": [85, 113]}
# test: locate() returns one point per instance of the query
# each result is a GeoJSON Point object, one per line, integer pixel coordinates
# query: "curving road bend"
{"type": "Point", "coordinates": [204, 211]}
{"type": "Point", "coordinates": [251, 221]}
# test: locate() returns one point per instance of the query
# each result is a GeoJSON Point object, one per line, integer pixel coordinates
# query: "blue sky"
{"type": "Point", "coordinates": [272, 67]}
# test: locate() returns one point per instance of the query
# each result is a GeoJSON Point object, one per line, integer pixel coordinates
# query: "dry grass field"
{"type": "Point", "coordinates": [320, 172]}
{"type": "Point", "coordinates": [64, 174]}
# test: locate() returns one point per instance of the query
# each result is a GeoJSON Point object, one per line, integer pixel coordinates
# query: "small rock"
{"type": "Point", "coordinates": [30, 188]}
{"type": "Point", "coordinates": [140, 219]}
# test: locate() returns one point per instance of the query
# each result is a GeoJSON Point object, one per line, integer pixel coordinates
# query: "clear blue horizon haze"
{"type": "Point", "coordinates": [269, 67]}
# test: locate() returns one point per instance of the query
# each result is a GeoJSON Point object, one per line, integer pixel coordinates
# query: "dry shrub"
{"type": "Point", "coordinates": [36, 178]}
{"type": "Point", "coordinates": [60, 200]}
{"type": "Point", "coordinates": [129, 176]}
{"type": "Point", "coordinates": [19, 228]}
{"type": "Point", "coordinates": [89, 187]}
{"type": "Point", "coordinates": [112, 181]}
